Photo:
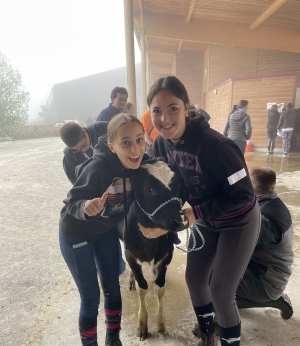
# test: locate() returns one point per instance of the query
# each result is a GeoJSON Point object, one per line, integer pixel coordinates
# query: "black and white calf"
{"type": "Point", "coordinates": [156, 205]}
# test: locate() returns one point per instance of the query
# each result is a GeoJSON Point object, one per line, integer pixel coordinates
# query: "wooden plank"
{"type": "Point", "coordinates": [269, 11]}
{"type": "Point", "coordinates": [224, 33]}
{"type": "Point", "coordinates": [190, 11]}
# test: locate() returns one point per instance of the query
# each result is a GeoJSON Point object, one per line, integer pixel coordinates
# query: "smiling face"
{"type": "Point", "coordinates": [120, 101]}
{"type": "Point", "coordinates": [168, 114]}
{"type": "Point", "coordinates": [129, 145]}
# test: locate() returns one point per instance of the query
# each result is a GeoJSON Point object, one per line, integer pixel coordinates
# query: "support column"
{"type": "Point", "coordinates": [143, 73]}
{"type": "Point", "coordinates": [148, 71]}
{"type": "Point", "coordinates": [130, 62]}
{"type": "Point", "coordinates": [174, 65]}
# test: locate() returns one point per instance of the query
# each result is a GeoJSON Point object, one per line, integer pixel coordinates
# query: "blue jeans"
{"type": "Point", "coordinates": [99, 253]}
{"type": "Point", "coordinates": [286, 141]}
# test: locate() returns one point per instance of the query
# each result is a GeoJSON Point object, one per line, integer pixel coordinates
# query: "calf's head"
{"type": "Point", "coordinates": [156, 189]}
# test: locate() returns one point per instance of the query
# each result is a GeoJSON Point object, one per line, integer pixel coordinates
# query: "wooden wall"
{"type": "Point", "coordinates": [258, 92]}
{"type": "Point", "coordinates": [227, 62]}
{"type": "Point", "coordinates": [189, 69]}
{"type": "Point", "coordinates": [218, 105]}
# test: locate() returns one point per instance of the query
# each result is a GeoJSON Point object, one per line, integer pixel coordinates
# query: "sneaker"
{"type": "Point", "coordinates": [269, 152]}
{"type": "Point", "coordinates": [283, 155]}
{"type": "Point", "coordinates": [285, 306]}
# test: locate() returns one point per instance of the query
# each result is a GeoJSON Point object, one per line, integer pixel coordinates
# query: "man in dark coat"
{"type": "Point", "coordinates": [118, 98]}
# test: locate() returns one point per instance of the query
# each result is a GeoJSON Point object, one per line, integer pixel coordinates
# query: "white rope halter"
{"type": "Point", "coordinates": [157, 209]}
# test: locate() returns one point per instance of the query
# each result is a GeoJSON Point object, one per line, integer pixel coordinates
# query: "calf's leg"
{"type": "Point", "coordinates": [141, 288]}
{"type": "Point", "coordinates": [161, 322]}
{"type": "Point", "coordinates": [142, 327]}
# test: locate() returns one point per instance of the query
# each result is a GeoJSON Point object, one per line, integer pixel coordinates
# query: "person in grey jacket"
{"type": "Point", "coordinates": [286, 126]}
{"type": "Point", "coordinates": [238, 126]}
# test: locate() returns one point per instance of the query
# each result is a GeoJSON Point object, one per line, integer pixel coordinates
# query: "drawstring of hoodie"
{"type": "Point", "coordinates": [124, 201]}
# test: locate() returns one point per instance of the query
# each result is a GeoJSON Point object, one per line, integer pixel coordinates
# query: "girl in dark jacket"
{"type": "Point", "coordinates": [273, 118]}
{"type": "Point", "coordinates": [88, 237]}
{"type": "Point", "coordinates": [223, 209]}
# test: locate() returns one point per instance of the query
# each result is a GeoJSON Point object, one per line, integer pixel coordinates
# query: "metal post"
{"type": "Point", "coordinates": [143, 73]}
{"type": "Point", "coordinates": [130, 62]}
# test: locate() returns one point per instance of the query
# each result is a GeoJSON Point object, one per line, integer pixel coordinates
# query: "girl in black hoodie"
{"type": "Point", "coordinates": [223, 210]}
{"type": "Point", "coordinates": [88, 238]}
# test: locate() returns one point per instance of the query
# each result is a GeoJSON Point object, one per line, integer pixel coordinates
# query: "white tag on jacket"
{"type": "Point", "coordinates": [234, 178]}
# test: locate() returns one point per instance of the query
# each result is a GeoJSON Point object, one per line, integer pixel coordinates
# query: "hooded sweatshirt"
{"type": "Point", "coordinates": [273, 255]}
{"type": "Point", "coordinates": [239, 126]}
{"type": "Point", "coordinates": [215, 178]}
{"type": "Point", "coordinates": [108, 113]}
{"type": "Point", "coordinates": [103, 172]}
{"type": "Point", "coordinates": [273, 118]}
{"type": "Point", "coordinates": [74, 158]}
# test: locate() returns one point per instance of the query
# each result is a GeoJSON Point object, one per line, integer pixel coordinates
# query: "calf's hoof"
{"type": "Point", "coordinates": [131, 286]}
{"type": "Point", "coordinates": [142, 333]}
{"type": "Point", "coordinates": [163, 336]}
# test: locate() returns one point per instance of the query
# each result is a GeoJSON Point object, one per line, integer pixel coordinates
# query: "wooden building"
{"type": "Point", "coordinates": [223, 51]}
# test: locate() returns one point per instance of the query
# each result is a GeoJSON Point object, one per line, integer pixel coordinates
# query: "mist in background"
{"type": "Point", "coordinates": [55, 41]}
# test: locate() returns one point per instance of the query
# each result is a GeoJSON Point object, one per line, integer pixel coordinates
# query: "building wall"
{"type": "Point", "coordinates": [228, 62]}
{"type": "Point", "coordinates": [189, 69]}
{"type": "Point", "coordinates": [258, 92]}
{"type": "Point", "coordinates": [218, 105]}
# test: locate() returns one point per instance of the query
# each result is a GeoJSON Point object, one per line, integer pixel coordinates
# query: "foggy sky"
{"type": "Point", "coordinates": [54, 41]}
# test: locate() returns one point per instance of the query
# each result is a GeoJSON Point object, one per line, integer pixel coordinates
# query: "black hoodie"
{"type": "Point", "coordinates": [103, 172]}
{"type": "Point", "coordinates": [215, 178]}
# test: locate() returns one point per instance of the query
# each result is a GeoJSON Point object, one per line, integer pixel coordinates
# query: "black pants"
{"type": "Point", "coordinates": [251, 287]}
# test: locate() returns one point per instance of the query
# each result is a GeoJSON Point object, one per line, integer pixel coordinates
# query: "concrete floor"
{"type": "Point", "coordinates": [39, 301]}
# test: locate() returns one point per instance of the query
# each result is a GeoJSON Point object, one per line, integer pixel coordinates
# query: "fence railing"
{"type": "Point", "coordinates": [26, 132]}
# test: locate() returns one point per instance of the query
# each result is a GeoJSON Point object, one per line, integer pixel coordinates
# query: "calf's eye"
{"type": "Point", "coordinates": [149, 189]}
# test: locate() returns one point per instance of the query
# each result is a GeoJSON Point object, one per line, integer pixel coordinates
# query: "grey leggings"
{"type": "Point", "coordinates": [214, 272]}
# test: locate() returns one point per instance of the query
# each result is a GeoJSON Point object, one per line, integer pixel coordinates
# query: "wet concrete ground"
{"type": "Point", "coordinates": [39, 301]}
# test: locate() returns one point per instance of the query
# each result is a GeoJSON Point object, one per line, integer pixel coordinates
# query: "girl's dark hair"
{"type": "Point", "coordinates": [174, 86]}
{"type": "Point", "coordinates": [274, 108]}
{"type": "Point", "coordinates": [119, 120]}
{"type": "Point", "coordinates": [243, 103]}
{"type": "Point", "coordinates": [234, 108]}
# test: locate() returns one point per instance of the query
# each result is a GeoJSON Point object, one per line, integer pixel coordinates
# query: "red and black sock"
{"type": "Point", "coordinates": [88, 330]}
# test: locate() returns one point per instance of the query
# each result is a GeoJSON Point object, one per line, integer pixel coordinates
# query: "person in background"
{"type": "Point", "coordinates": [89, 120]}
{"type": "Point", "coordinates": [88, 236]}
{"type": "Point", "coordinates": [273, 118]}
{"type": "Point", "coordinates": [223, 212]}
{"type": "Point", "coordinates": [270, 266]}
{"type": "Point", "coordinates": [129, 109]}
{"type": "Point", "coordinates": [118, 98]}
{"type": "Point", "coordinates": [150, 131]}
{"type": "Point", "coordinates": [194, 110]}
{"type": "Point", "coordinates": [79, 143]}
{"type": "Point", "coordinates": [238, 126]}
{"type": "Point", "coordinates": [286, 126]}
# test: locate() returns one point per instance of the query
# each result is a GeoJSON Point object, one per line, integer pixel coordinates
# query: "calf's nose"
{"type": "Point", "coordinates": [181, 223]}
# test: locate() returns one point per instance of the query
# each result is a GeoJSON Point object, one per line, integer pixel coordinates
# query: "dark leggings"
{"type": "Point", "coordinates": [222, 262]}
{"type": "Point", "coordinates": [101, 253]}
